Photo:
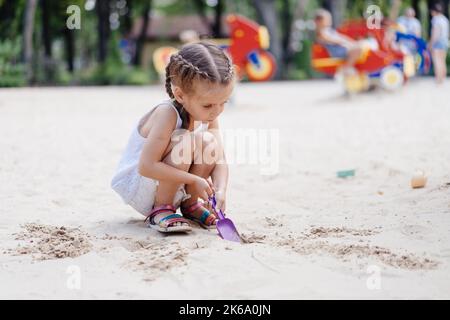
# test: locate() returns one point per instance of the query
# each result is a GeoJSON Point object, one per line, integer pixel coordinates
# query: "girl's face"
{"type": "Point", "coordinates": [323, 21]}
{"type": "Point", "coordinates": [205, 102]}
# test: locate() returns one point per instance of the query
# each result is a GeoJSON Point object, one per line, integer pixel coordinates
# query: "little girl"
{"type": "Point", "coordinates": [337, 44]}
{"type": "Point", "coordinates": [439, 42]}
{"type": "Point", "coordinates": [175, 155]}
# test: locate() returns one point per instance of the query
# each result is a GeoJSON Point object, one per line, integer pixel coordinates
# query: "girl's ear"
{"type": "Point", "coordinates": [178, 94]}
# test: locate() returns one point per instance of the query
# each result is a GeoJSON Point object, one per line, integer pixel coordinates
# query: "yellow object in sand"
{"type": "Point", "coordinates": [419, 180]}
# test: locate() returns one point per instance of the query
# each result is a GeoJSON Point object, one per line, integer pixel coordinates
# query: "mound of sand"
{"type": "Point", "coordinates": [45, 242]}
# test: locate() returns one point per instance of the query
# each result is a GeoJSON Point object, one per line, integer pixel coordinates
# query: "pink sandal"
{"type": "Point", "coordinates": [166, 224]}
{"type": "Point", "coordinates": [205, 220]}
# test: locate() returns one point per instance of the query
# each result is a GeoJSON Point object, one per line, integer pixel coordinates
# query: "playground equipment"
{"type": "Point", "coordinates": [422, 57]}
{"type": "Point", "coordinates": [161, 57]}
{"type": "Point", "coordinates": [380, 63]}
{"type": "Point", "coordinates": [247, 47]}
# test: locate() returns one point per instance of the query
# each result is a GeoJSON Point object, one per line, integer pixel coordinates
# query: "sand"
{"type": "Point", "coordinates": [307, 234]}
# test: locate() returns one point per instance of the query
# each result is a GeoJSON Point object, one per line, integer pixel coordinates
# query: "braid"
{"type": "Point", "coordinates": [181, 111]}
{"type": "Point", "coordinates": [187, 66]}
{"type": "Point", "coordinates": [230, 72]}
{"type": "Point", "coordinates": [169, 87]}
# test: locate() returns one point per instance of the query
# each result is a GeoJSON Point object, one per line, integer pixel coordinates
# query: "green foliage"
{"type": "Point", "coordinates": [11, 18]}
{"type": "Point", "coordinates": [114, 71]}
{"type": "Point", "coordinates": [12, 72]}
{"type": "Point", "coordinates": [302, 63]}
{"type": "Point", "coordinates": [114, 74]}
{"type": "Point", "coordinates": [173, 7]}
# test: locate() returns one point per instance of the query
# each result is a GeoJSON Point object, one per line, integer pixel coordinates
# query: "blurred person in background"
{"type": "Point", "coordinates": [439, 42]}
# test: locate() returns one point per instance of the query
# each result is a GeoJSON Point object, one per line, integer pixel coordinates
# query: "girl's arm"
{"type": "Point", "coordinates": [158, 139]}
{"type": "Point", "coordinates": [336, 38]}
{"type": "Point", "coordinates": [219, 175]}
{"type": "Point", "coordinates": [434, 33]}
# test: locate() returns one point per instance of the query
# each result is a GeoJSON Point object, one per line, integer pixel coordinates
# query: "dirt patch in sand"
{"type": "Point", "coordinates": [46, 242]}
{"type": "Point", "coordinates": [154, 258]}
{"type": "Point", "coordinates": [345, 252]}
{"type": "Point", "coordinates": [314, 242]}
{"type": "Point", "coordinates": [338, 232]}
{"type": "Point", "coordinates": [252, 238]}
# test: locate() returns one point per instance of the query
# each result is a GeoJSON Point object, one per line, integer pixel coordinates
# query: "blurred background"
{"type": "Point", "coordinates": [111, 42]}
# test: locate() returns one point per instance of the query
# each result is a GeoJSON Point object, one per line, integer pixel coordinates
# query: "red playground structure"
{"type": "Point", "coordinates": [247, 47]}
{"type": "Point", "coordinates": [381, 61]}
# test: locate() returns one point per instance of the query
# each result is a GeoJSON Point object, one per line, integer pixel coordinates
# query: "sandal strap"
{"type": "Point", "coordinates": [192, 207]}
{"type": "Point", "coordinates": [187, 211]}
{"type": "Point", "coordinates": [171, 221]}
{"type": "Point", "coordinates": [157, 210]}
{"type": "Point", "coordinates": [172, 216]}
{"type": "Point", "coordinates": [205, 216]}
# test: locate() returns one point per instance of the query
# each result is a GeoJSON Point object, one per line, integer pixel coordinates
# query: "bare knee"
{"type": "Point", "coordinates": [205, 148]}
{"type": "Point", "coordinates": [180, 152]}
{"type": "Point", "coordinates": [355, 52]}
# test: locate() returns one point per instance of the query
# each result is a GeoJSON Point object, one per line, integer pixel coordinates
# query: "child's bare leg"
{"type": "Point", "coordinates": [443, 56]}
{"type": "Point", "coordinates": [352, 57]}
{"type": "Point", "coordinates": [437, 65]}
{"type": "Point", "coordinates": [166, 190]}
{"type": "Point", "coordinates": [205, 158]}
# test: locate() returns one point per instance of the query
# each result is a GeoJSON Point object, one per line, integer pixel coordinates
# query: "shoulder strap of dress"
{"type": "Point", "coordinates": [148, 114]}
{"type": "Point", "coordinates": [179, 120]}
{"type": "Point", "coordinates": [170, 103]}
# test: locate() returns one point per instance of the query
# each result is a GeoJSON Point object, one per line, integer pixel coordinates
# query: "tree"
{"type": "Point", "coordinates": [217, 26]}
{"type": "Point", "coordinates": [143, 33]}
{"type": "Point", "coordinates": [267, 15]}
{"type": "Point", "coordinates": [337, 9]}
{"type": "Point", "coordinates": [103, 9]}
{"type": "Point", "coordinates": [30, 11]}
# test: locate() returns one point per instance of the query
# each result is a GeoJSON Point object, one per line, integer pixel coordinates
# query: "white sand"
{"type": "Point", "coordinates": [316, 235]}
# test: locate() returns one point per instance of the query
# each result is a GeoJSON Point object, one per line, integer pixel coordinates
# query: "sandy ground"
{"type": "Point", "coordinates": [65, 234]}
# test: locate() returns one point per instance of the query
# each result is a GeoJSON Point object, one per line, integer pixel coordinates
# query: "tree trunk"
{"type": "Point", "coordinates": [46, 38]}
{"type": "Point", "coordinates": [217, 27]}
{"type": "Point", "coordinates": [415, 6]}
{"type": "Point", "coordinates": [128, 21]}
{"type": "Point", "coordinates": [30, 11]}
{"type": "Point", "coordinates": [286, 22]}
{"type": "Point", "coordinates": [70, 48]}
{"type": "Point", "coordinates": [395, 9]}
{"type": "Point", "coordinates": [201, 11]}
{"type": "Point", "coordinates": [337, 9]}
{"type": "Point", "coordinates": [102, 9]}
{"type": "Point", "coordinates": [143, 34]}
{"type": "Point", "coordinates": [267, 15]}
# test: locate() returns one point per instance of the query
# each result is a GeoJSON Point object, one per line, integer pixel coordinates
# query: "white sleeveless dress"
{"type": "Point", "coordinates": [136, 190]}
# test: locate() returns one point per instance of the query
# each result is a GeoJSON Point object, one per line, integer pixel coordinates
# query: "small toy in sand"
{"type": "Point", "coordinates": [419, 180]}
{"type": "Point", "coordinates": [225, 226]}
{"type": "Point", "coordinates": [346, 173]}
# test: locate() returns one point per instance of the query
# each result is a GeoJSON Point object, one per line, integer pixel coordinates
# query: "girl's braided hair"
{"type": "Point", "coordinates": [200, 60]}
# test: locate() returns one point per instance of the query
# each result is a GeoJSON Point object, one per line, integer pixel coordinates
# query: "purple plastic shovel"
{"type": "Point", "coordinates": [225, 226]}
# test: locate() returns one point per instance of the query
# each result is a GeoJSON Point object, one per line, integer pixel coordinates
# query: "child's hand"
{"type": "Point", "coordinates": [203, 187]}
{"type": "Point", "coordinates": [220, 199]}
